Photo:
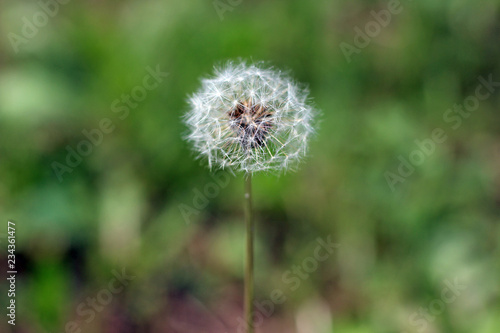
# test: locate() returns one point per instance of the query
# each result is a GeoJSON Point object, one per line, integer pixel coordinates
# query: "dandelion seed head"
{"type": "Point", "coordinates": [250, 118]}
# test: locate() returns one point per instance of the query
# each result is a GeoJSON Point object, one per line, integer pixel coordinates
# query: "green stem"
{"type": "Point", "coordinates": [249, 253]}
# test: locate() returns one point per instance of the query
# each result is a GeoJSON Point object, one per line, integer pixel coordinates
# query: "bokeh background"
{"type": "Point", "coordinates": [121, 206]}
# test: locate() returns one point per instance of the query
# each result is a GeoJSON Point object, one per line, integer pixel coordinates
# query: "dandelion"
{"type": "Point", "coordinates": [250, 118]}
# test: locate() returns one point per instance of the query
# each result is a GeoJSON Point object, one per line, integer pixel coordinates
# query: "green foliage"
{"type": "Point", "coordinates": [119, 206]}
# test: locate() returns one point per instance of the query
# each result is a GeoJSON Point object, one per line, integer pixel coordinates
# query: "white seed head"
{"type": "Point", "coordinates": [250, 118]}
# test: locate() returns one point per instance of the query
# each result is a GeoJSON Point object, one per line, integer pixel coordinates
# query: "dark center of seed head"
{"type": "Point", "coordinates": [251, 123]}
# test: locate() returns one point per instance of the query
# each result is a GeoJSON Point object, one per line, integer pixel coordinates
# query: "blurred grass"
{"type": "Point", "coordinates": [120, 206]}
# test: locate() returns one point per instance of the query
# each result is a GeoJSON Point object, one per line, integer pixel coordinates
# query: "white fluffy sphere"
{"type": "Point", "coordinates": [250, 118]}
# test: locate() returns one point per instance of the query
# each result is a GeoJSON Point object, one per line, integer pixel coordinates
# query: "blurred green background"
{"type": "Point", "coordinates": [121, 206]}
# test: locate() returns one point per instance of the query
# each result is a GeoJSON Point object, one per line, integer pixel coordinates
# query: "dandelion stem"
{"type": "Point", "coordinates": [249, 254]}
